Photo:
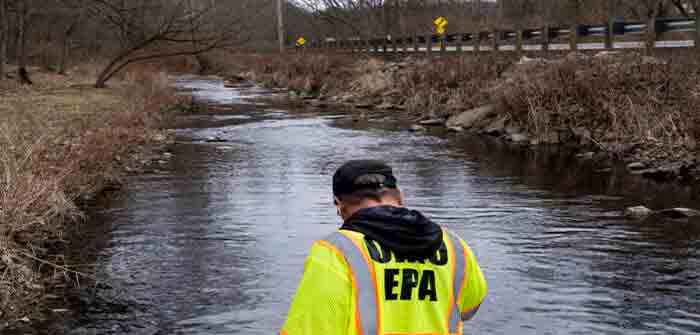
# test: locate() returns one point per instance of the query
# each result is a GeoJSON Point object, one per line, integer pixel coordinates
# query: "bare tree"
{"type": "Point", "coordinates": [74, 13]}
{"type": "Point", "coordinates": [158, 28]}
{"type": "Point", "coordinates": [23, 13]}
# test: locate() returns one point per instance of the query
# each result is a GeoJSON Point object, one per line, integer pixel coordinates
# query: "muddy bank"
{"type": "Point", "coordinates": [610, 107]}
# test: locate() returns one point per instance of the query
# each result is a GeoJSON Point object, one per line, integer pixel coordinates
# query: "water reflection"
{"type": "Point", "coordinates": [215, 243]}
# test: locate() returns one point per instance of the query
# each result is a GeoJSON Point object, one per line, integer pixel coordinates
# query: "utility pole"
{"type": "Point", "coordinates": [4, 37]}
{"type": "Point", "coordinates": [280, 24]}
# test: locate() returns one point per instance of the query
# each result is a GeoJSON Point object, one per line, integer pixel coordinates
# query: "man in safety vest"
{"type": "Point", "coordinates": [388, 270]}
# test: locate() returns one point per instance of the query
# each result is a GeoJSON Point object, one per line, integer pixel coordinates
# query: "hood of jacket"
{"type": "Point", "coordinates": [404, 231]}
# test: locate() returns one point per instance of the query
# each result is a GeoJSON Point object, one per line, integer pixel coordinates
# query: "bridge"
{"type": "Point", "coordinates": [657, 33]}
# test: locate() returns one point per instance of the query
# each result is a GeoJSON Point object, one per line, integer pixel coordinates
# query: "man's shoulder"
{"type": "Point", "coordinates": [335, 243]}
{"type": "Point", "coordinates": [456, 238]}
{"type": "Point", "coordinates": [339, 236]}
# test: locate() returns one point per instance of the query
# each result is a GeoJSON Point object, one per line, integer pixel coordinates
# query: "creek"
{"type": "Point", "coordinates": [214, 240]}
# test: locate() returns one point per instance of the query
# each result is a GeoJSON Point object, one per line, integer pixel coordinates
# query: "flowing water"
{"type": "Point", "coordinates": [214, 241]}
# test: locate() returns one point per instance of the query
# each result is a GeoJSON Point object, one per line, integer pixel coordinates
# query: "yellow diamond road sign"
{"type": "Point", "coordinates": [301, 41]}
{"type": "Point", "coordinates": [440, 24]}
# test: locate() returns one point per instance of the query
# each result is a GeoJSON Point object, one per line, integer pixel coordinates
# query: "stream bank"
{"type": "Point", "coordinates": [64, 144]}
{"type": "Point", "coordinates": [610, 107]}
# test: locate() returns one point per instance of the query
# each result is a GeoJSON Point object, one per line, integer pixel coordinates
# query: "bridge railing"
{"type": "Point", "coordinates": [657, 33]}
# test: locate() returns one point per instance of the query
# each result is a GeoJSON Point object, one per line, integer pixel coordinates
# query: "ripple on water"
{"type": "Point", "coordinates": [217, 242]}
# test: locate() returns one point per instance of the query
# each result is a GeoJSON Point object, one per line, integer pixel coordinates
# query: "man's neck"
{"type": "Point", "coordinates": [370, 204]}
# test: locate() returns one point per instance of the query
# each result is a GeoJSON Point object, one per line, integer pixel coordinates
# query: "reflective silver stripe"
{"type": "Point", "coordinates": [367, 305]}
{"type": "Point", "coordinates": [470, 313]}
{"type": "Point", "coordinates": [458, 251]}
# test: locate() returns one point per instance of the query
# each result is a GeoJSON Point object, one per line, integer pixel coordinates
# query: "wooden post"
{"type": "Point", "coordinates": [573, 27]}
{"type": "Point", "coordinates": [573, 37]}
{"type": "Point", "coordinates": [459, 42]}
{"type": "Point", "coordinates": [394, 46]}
{"type": "Point", "coordinates": [415, 43]}
{"type": "Point", "coordinates": [429, 44]}
{"type": "Point", "coordinates": [385, 47]}
{"type": "Point", "coordinates": [651, 33]}
{"type": "Point", "coordinates": [609, 36]}
{"type": "Point", "coordinates": [610, 32]}
{"type": "Point", "coordinates": [443, 43]}
{"type": "Point", "coordinates": [477, 41]}
{"type": "Point", "coordinates": [545, 39]}
{"type": "Point", "coordinates": [495, 40]}
{"type": "Point", "coordinates": [519, 42]}
{"type": "Point", "coordinates": [697, 27]}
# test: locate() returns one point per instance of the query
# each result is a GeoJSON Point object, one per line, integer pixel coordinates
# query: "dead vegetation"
{"type": "Point", "coordinates": [60, 140]}
{"type": "Point", "coordinates": [626, 105]}
{"type": "Point", "coordinates": [299, 72]}
{"type": "Point", "coordinates": [620, 103]}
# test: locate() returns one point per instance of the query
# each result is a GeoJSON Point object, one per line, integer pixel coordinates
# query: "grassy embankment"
{"type": "Point", "coordinates": [623, 105]}
{"type": "Point", "coordinates": [60, 141]}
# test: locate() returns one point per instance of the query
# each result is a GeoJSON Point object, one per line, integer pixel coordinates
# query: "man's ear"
{"type": "Point", "coordinates": [338, 206]}
{"type": "Point", "coordinates": [401, 202]}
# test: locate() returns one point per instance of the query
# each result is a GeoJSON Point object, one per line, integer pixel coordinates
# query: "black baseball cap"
{"type": "Point", "coordinates": [346, 175]}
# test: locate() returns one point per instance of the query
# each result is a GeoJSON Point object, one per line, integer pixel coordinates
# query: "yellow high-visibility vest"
{"type": "Point", "coordinates": [353, 285]}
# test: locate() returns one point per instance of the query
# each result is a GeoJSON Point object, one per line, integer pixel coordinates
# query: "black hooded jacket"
{"type": "Point", "coordinates": [405, 232]}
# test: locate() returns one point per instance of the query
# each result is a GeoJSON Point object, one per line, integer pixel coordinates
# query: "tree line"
{"type": "Point", "coordinates": [57, 33]}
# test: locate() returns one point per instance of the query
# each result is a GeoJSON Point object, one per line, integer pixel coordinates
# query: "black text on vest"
{"type": "Point", "coordinates": [381, 254]}
{"type": "Point", "coordinates": [410, 280]}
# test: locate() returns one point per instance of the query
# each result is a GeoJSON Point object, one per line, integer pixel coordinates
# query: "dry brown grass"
{"type": "Point", "coordinates": [61, 139]}
{"type": "Point", "coordinates": [444, 86]}
{"type": "Point", "coordinates": [309, 72]}
{"type": "Point", "coordinates": [623, 101]}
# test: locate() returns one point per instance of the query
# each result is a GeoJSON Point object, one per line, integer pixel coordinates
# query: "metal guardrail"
{"type": "Point", "coordinates": [575, 37]}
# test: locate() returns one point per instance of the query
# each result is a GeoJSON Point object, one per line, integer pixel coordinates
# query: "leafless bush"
{"type": "Point", "coordinates": [447, 85]}
{"type": "Point", "coordinates": [310, 72]}
{"type": "Point", "coordinates": [621, 101]}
